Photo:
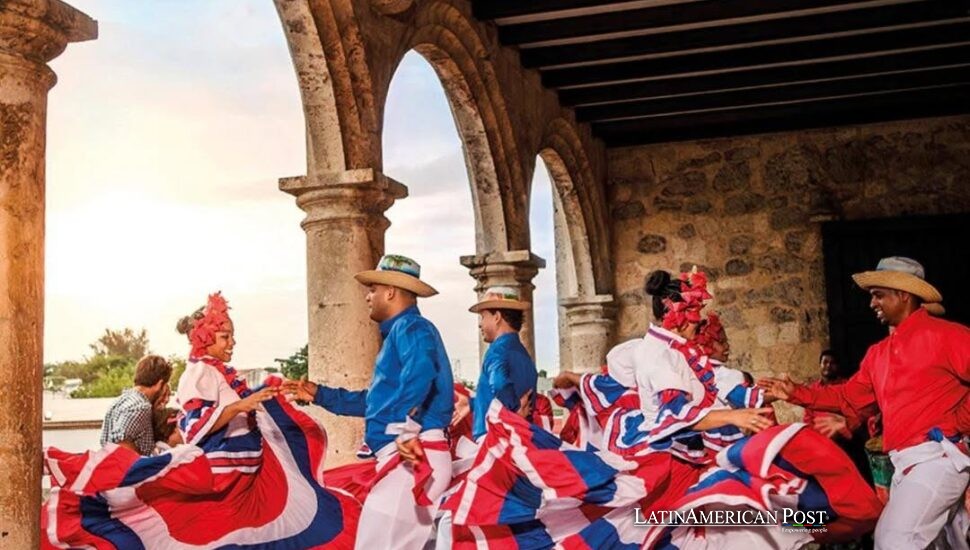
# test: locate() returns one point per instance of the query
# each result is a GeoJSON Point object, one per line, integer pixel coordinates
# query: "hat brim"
{"type": "Point", "coordinates": [500, 304]}
{"type": "Point", "coordinates": [396, 279]}
{"type": "Point", "coordinates": [898, 281]}
{"type": "Point", "coordinates": [934, 308]}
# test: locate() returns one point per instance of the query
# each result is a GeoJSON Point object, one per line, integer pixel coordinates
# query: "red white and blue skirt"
{"type": "Point", "coordinates": [262, 490]}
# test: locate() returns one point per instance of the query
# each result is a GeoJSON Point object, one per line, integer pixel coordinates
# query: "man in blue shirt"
{"type": "Point", "coordinates": [406, 409]}
{"type": "Point", "coordinates": [508, 374]}
{"type": "Point", "coordinates": [508, 371]}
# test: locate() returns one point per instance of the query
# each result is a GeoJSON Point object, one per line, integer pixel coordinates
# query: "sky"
{"type": "Point", "coordinates": [166, 138]}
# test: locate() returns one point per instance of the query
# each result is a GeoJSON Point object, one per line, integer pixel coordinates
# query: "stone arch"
{"type": "Point", "coordinates": [581, 204]}
{"type": "Point", "coordinates": [450, 43]}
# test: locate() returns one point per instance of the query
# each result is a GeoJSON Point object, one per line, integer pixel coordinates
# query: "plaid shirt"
{"type": "Point", "coordinates": [130, 419]}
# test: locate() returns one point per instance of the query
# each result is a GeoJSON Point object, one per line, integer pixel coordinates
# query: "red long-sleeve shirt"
{"type": "Point", "coordinates": [811, 414]}
{"type": "Point", "coordinates": [919, 376]}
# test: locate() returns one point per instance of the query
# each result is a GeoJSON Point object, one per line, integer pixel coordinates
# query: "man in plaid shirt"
{"type": "Point", "coordinates": [129, 420]}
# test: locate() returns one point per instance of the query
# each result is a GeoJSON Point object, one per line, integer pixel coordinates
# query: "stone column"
{"type": "Point", "coordinates": [345, 227]}
{"type": "Point", "coordinates": [589, 328]}
{"type": "Point", "coordinates": [32, 32]}
{"type": "Point", "coordinates": [514, 269]}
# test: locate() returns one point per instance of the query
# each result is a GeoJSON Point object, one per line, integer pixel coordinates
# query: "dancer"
{"type": "Point", "coordinates": [406, 410]}
{"type": "Point", "coordinates": [251, 475]}
{"type": "Point", "coordinates": [918, 376]}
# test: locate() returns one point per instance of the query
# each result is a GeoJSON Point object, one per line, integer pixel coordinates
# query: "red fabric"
{"type": "Point", "coordinates": [422, 471]}
{"type": "Point", "coordinates": [542, 414]}
{"type": "Point", "coordinates": [570, 430]}
{"type": "Point", "coordinates": [356, 478]}
{"type": "Point", "coordinates": [918, 376]}
{"type": "Point", "coordinates": [811, 414]}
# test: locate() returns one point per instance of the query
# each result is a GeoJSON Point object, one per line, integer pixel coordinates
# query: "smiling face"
{"type": "Point", "coordinates": [221, 349]}
{"type": "Point", "coordinates": [891, 306]}
{"type": "Point", "coordinates": [828, 366]}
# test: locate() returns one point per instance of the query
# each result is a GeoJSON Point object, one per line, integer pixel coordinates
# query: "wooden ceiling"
{"type": "Point", "coordinates": [645, 71]}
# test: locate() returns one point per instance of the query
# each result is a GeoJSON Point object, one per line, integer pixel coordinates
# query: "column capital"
{"type": "Point", "coordinates": [512, 258]}
{"type": "Point", "coordinates": [351, 195]}
{"type": "Point", "coordinates": [582, 310]}
{"type": "Point", "coordinates": [39, 30]}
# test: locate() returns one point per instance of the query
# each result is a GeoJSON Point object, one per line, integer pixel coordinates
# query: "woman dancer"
{"type": "Point", "coordinates": [250, 477]}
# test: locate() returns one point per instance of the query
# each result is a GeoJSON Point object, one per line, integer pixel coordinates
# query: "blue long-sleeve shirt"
{"type": "Point", "coordinates": [507, 373]}
{"type": "Point", "coordinates": [412, 377]}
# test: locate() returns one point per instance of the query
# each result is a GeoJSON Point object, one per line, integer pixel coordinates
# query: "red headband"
{"type": "Point", "coordinates": [693, 291]}
{"type": "Point", "coordinates": [215, 316]}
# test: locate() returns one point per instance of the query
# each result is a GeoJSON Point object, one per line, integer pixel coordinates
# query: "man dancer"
{"type": "Point", "coordinates": [918, 376]}
{"type": "Point", "coordinates": [129, 420]}
{"type": "Point", "coordinates": [508, 371]}
{"type": "Point", "coordinates": [405, 410]}
{"type": "Point", "coordinates": [508, 374]}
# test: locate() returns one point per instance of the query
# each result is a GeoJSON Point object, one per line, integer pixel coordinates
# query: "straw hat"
{"type": "Point", "coordinates": [899, 273]}
{"type": "Point", "coordinates": [397, 271]}
{"type": "Point", "coordinates": [934, 308]}
{"type": "Point", "coordinates": [500, 297]}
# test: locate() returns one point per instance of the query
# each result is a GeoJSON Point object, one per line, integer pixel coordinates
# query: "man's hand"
{"type": "Point", "coordinates": [829, 425]}
{"type": "Point", "coordinates": [163, 396]}
{"type": "Point", "coordinates": [525, 405]}
{"type": "Point", "coordinates": [779, 389]}
{"type": "Point", "coordinates": [566, 380]}
{"type": "Point", "coordinates": [752, 420]}
{"type": "Point", "coordinates": [410, 450]}
{"type": "Point", "coordinates": [462, 408]}
{"type": "Point", "coordinates": [301, 390]}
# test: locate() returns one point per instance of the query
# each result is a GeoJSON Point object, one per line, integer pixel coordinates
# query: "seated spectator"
{"type": "Point", "coordinates": [129, 420]}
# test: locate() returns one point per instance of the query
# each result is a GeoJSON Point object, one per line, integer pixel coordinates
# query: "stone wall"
{"type": "Point", "coordinates": [748, 210]}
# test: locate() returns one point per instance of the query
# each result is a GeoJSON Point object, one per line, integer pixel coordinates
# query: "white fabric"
{"type": "Point", "coordinates": [202, 381]}
{"type": "Point", "coordinates": [659, 367]}
{"type": "Point", "coordinates": [391, 518]}
{"type": "Point", "coordinates": [925, 495]}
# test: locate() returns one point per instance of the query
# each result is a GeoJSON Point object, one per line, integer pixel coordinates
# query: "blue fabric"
{"type": "Point", "coordinates": [412, 377]}
{"type": "Point", "coordinates": [507, 373]}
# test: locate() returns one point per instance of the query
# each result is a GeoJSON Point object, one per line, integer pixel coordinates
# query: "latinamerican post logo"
{"type": "Point", "coordinates": [789, 519]}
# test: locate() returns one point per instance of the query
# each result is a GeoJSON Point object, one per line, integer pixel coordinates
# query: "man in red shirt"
{"type": "Point", "coordinates": [919, 376]}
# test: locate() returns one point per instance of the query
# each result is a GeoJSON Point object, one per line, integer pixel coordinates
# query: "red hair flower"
{"type": "Point", "coordinates": [694, 294]}
{"type": "Point", "coordinates": [215, 316]}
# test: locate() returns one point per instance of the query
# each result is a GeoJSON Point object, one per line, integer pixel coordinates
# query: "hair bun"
{"type": "Point", "coordinates": [185, 324]}
{"type": "Point", "coordinates": [657, 283]}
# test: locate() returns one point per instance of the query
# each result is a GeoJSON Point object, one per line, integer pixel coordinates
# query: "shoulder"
{"type": "Point", "coordinates": [943, 327]}
{"type": "Point", "coordinates": [624, 349]}
{"type": "Point", "coordinates": [414, 326]}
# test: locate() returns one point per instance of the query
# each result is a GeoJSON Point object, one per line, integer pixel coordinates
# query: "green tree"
{"type": "Point", "coordinates": [115, 374]}
{"type": "Point", "coordinates": [123, 343]}
{"type": "Point", "coordinates": [178, 367]}
{"type": "Point", "coordinates": [295, 366]}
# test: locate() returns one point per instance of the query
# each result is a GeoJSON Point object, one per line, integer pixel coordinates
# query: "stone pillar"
{"type": "Point", "coordinates": [32, 32]}
{"type": "Point", "coordinates": [345, 227]}
{"type": "Point", "coordinates": [514, 269]}
{"type": "Point", "coordinates": [589, 328]}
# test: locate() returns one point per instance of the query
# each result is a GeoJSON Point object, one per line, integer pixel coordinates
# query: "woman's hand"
{"type": "Point", "coordinates": [751, 420]}
{"type": "Point", "coordinates": [252, 402]}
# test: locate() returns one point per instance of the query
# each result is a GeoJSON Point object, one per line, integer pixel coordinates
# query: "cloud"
{"type": "Point", "coordinates": [166, 138]}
